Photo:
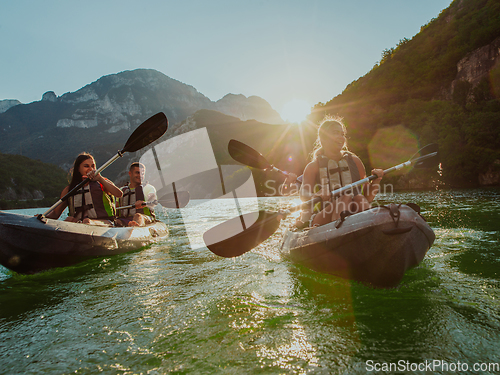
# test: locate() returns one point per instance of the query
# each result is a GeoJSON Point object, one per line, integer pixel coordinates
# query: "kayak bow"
{"type": "Point", "coordinates": [28, 245]}
{"type": "Point", "coordinates": [375, 247]}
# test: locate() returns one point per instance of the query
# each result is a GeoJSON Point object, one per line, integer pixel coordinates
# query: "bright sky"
{"type": "Point", "coordinates": [281, 50]}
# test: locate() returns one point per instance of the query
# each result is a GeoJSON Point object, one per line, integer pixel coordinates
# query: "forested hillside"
{"type": "Point", "coordinates": [29, 183]}
{"type": "Point", "coordinates": [443, 86]}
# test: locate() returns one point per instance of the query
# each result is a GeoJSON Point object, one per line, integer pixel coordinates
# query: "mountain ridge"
{"type": "Point", "coordinates": [442, 86]}
{"type": "Point", "coordinates": [100, 116]}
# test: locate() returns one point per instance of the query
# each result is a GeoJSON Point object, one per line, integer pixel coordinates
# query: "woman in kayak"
{"type": "Point", "coordinates": [92, 204]}
{"type": "Point", "coordinates": [332, 167]}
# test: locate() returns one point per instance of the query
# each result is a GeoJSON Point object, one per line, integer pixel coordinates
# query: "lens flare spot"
{"type": "Point", "coordinates": [391, 146]}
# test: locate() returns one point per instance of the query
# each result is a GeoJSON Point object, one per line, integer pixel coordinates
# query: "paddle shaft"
{"type": "Point", "coordinates": [274, 169]}
{"type": "Point", "coordinates": [341, 190]}
{"type": "Point", "coordinates": [143, 204]}
{"type": "Point", "coordinates": [178, 199]}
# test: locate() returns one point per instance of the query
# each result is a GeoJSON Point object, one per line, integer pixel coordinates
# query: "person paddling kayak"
{"type": "Point", "coordinates": [94, 202]}
{"type": "Point", "coordinates": [332, 167]}
{"type": "Point", "coordinates": [136, 193]}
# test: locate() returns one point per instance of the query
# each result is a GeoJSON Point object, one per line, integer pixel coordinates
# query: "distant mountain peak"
{"type": "Point", "coordinates": [104, 112]}
{"type": "Point", "coordinates": [49, 96]}
{"type": "Point", "coordinates": [251, 108]}
{"type": "Point", "coordinates": [7, 104]}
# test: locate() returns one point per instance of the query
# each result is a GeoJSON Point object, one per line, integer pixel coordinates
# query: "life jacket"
{"type": "Point", "coordinates": [92, 202]}
{"type": "Point", "coordinates": [337, 174]}
{"type": "Point", "coordinates": [130, 196]}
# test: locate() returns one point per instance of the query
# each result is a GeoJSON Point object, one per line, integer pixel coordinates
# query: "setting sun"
{"type": "Point", "coordinates": [295, 111]}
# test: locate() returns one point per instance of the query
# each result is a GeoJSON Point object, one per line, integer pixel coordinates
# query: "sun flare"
{"type": "Point", "coordinates": [295, 111]}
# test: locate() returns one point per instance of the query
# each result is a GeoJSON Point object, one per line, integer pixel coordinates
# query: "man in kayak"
{"type": "Point", "coordinates": [138, 194]}
{"type": "Point", "coordinates": [332, 167]}
{"type": "Point", "coordinates": [94, 203]}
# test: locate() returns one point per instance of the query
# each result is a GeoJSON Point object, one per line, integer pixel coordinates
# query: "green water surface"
{"type": "Point", "coordinates": [174, 307]}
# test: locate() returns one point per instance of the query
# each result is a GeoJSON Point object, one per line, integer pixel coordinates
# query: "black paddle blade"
{"type": "Point", "coordinates": [178, 199]}
{"type": "Point", "coordinates": [247, 155]}
{"type": "Point", "coordinates": [234, 237]}
{"type": "Point", "coordinates": [148, 132]}
{"type": "Point", "coordinates": [427, 159]}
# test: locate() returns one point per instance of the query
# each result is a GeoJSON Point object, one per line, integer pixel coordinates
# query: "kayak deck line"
{"type": "Point", "coordinates": [369, 247]}
{"type": "Point", "coordinates": [28, 245]}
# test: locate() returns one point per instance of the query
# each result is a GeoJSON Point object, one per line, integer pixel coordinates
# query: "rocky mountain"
{"type": "Point", "coordinates": [8, 103]}
{"type": "Point", "coordinates": [99, 117]}
{"type": "Point", "coordinates": [251, 108]}
{"type": "Point", "coordinates": [442, 86]}
{"type": "Point", "coordinates": [475, 68]}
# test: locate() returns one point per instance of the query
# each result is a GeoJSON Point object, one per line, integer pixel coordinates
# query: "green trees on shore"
{"type": "Point", "coordinates": [29, 183]}
{"type": "Point", "coordinates": [415, 85]}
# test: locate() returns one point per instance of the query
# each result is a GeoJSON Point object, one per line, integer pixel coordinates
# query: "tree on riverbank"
{"type": "Point", "coordinates": [29, 183]}
{"type": "Point", "coordinates": [443, 85]}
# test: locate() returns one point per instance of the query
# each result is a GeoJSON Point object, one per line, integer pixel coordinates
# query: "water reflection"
{"type": "Point", "coordinates": [172, 308]}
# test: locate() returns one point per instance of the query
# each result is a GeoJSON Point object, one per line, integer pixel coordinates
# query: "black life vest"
{"type": "Point", "coordinates": [130, 196]}
{"type": "Point", "coordinates": [92, 202]}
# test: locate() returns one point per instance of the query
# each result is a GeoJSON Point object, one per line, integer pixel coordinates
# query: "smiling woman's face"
{"type": "Point", "coordinates": [332, 136]}
{"type": "Point", "coordinates": [86, 166]}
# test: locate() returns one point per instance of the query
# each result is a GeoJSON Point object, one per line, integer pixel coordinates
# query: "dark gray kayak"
{"type": "Point", "coordinates": [28, 245]}
{"type": "Point", "coordinates": [375, 247]}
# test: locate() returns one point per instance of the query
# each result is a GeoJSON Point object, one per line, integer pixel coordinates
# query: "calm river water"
{"type": "Point", "coordinates": [176, 307]}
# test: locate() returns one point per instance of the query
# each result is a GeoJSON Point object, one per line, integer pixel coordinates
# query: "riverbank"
{"type": "Point", "coordinates": [28, 203]}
